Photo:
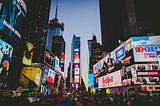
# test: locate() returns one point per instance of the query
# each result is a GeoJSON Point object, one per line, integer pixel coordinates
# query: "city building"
{"type": "Point", "coordinates": [75, 61]}
{"type": "Point", "coordinates": [95, 54]}
{"type": "Point", "coordinates": [12, 17]}
{"type": "Point", "coordinates": [56, 44]}
{"type": "Point", "coordinates": [124, 18]}
{"type": "Point", "coordinates": [35, 26]}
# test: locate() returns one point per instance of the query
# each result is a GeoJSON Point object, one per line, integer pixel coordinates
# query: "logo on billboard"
{"type": "Point", "coordinates": [120, 53]}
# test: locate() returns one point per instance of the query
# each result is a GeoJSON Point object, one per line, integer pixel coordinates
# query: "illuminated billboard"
{"type": "Point", "coordinates": [5, 57]}
{"type": "Point", "coordinates": [141, 74]}
{"type": "Point", "coordinates": [110, 80]}
{"type": "Point", "coordinates": [28, 54]}
{"type": "Point", "coordinates": [51, 78]}
{"type": "Point", "coordinates": [30, 77]}
{"type": "Point", "coordinates": [56, 63]}
{"type": "Point", "coordinates": [12, 14]}
{"type": "Point", "coordinates": [48, 57]}
{"type": "Point", "coordinates": [91, 80]}
{"type": "Point", "coordinates": [120, 53]}
{"type": "Point", "coordinates": [77, 79]}
{"type": "Point", "coordinates": [145, 48]}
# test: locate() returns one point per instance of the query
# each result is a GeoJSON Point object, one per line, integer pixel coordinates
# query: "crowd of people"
{"type": "Point", "coordinates": [85, 99]}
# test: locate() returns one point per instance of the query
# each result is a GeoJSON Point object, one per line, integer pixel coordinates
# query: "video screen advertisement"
{"type": "Point", "coordinates": [48, 57]}
{"type": "Point", "coordinates": [28, 54]}
{"type": "Point", "coordinates": [6, 51]}
{"type": "Point", "coordinates": [12, 14]}
{"type": "Point", "coordinates": [141, 74]}
{"type": "Point", "coordinates": [145, 48]}
{"type": "Point", "coordinates": [51, 78]}
{"type": "Point", "coordinates": [30, 77]}
{"type": "Point", "coordinates": [76, 66]}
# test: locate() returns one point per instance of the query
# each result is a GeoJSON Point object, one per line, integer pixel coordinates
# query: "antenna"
{"type": "Point", "coordinates": [56, 10]}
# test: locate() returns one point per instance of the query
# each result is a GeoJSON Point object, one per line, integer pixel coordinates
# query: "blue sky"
{"type": "Point", "coordinates": [82, 18]}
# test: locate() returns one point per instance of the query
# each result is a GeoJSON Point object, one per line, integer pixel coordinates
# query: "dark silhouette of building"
{"type": "Point", "coordinates": [95, 52]}
{"type": "Point", "coordinates": [35, 26]}
{"type": "Point", "coordinates": [121, 19]}
{"type": "Point", "coordinates": [95, 55]}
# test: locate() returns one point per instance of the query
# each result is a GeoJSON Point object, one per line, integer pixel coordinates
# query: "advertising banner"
{"type": "Point", "coordinates": [48, 57]}
{"type": "Point", "coordinates": [110, 80]}
{"type": "Point", "coordinates": [76, 79]}
{"type": "Point", "coordinates": [51, 78]}
{"type": "Point", "coordinates": [91, 80]}
{"type": "Point", "coordinates": [141, 74]}
{"type": "Point", "coordinates": [28, 54]}
{"type": "Point", "coordinates": [30, 77]}
{"type": "Point", "coordinates": [5, 57]}
{"type": "Point", "coordinates": [12, 14]}
{"type": "Point", "coordinates": [145, 47]}
{"type": "Point", "coordinates": [56, 63]}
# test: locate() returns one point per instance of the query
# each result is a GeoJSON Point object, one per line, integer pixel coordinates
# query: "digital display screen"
{"type": "Point", "coordinates": [12, 14]}
{"type": "Point", "coordinates": [5, 56]}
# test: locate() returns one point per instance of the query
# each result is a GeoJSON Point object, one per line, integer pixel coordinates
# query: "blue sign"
{"type": "Point", "coordinates": [91, 79]}
{"type": "Point", "coordinates": [120, 53]}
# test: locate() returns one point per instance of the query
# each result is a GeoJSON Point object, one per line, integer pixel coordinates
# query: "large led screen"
{"type": "Point", "coordinates": [28, 54]}
{"type": "Point", "coordinates": [51, 78]}
{"type": "Point", "coordinates": [12, 14]}
{"type": "Point", "coordinates": [91, 80]}
{"type": "Point", "coordinates": [5, 56]}
{"type": "Point", "coordinates": [30, 77]}
{"type": "Point", "coordinates": [145, 48]}
{"type": "Point", "coordinates": [48, 57]}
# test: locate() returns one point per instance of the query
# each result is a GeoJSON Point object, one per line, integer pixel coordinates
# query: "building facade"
{"type": "Point", "coordinates": [35, 26]}
{"type": "Point", "coordinates": [124, 18]}
{"type": "Point", "coordinates": [95, 54]}
{"type": "Point", "coordinates": [75, 61]}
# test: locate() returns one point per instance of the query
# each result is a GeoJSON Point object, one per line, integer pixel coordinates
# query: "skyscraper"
{"type": "Point", "coordinates": [123, 18]}
{"type": "Point", "coordinates": [55, 41]}
{"type": "Point", "coordinates": [35, 26]}
{"type": "Point", "coordinates": [75, 60]}
{"type": "Point", "coordinates": [95, 54]}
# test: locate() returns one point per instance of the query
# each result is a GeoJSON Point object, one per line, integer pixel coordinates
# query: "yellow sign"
{"type": "Point", "coordinates": [108, 91]}
{"type": "Point", "coordinates": [28, 54]}
{"type": "Point", "coordinates": [30, 77]}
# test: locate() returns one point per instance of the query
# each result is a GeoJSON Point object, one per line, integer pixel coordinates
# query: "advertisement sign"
{"type": "Point", "coordinates": [30, 77]}
{"type": "Point", "coordinates": [145, 47]}
{"type": "Point", "coordinates": [12, 15]}
{"type": "Point", "coordinates": [48, 57]}
{"type": "Point", "coordinates": [76, 79]}
{"type": "Point", "coordinates": [76, 71]}
{"type": "Point", "coordinates": [120, 53]}
{"type": "Point", "coordinates": [51, 78]}
{"type": "Point", "coordinates": [110, 80]}
{"type": "Point", "coordinates": [141, 74]}
{"type": "Point", "coordinates": [5, 57]}
{"type": "Point", "coordinates": [76, 57]}
{"type": "Point", "coordinates": [28, 54]}
{"type": "Point", "coordinates": [56, 63]}
{"type": "Point", "coordinates": [91, 80]}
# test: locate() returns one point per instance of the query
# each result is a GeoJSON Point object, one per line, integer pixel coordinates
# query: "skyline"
{"type": "Point", "coordinates": [83, 22]}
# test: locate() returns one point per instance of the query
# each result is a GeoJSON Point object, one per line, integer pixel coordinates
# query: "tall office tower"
{"type": "Point", "coordinates": [75, 60]}
{"type": "Point", "coordinates": [35, 26]}
{"type": "Point", "coordinates": [95, 54]}
{"type": "Point", "coordinates": [55, 41]}
{"type": "Point", "coordinates": [123, 18]}
{"type": "Point", "coordinates": [58, 49]}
